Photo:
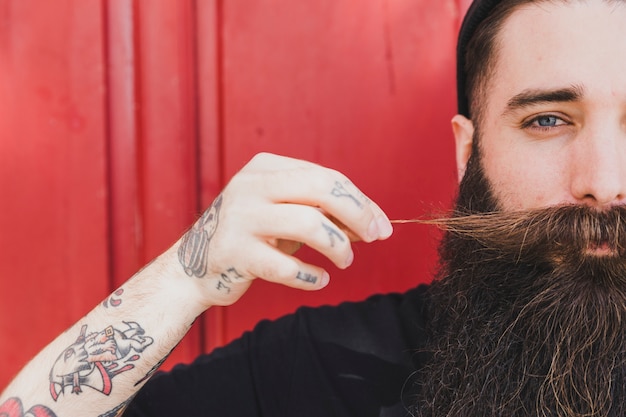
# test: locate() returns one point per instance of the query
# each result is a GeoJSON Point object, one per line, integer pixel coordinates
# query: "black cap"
{"type": "Point", "coordinates": [478, 11]}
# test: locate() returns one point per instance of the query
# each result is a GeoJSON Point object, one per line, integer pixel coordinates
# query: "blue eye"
{"type": "Point", "coordinates": [547, 121]}
{"type": "Point", "coordinates": [544, 122]}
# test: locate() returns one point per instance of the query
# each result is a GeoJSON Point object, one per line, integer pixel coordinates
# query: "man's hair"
{"type": "Point", "coordinates": [481, 55]}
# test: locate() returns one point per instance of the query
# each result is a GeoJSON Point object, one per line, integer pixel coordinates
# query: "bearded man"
{"type": "Point", "coordinates": [526, 317]}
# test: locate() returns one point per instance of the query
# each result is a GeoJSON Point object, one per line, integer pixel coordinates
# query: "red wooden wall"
{"type": "Point", "coordinates": [120, 120]}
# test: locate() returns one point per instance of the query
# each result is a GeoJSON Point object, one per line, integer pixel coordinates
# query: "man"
{"type": "Point", "coordinates": [527, 317]}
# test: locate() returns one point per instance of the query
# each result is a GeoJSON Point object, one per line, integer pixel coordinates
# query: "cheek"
{"type": "Point", "coordinates": [524, 180]}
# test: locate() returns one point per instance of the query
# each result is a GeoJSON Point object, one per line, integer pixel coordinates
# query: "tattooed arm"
{"type": "Point", "coordinates": [268, 210]}
{"type": "Point", "coordinates": [94, 367]}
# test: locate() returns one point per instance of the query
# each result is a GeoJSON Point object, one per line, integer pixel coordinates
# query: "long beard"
{"type": "Point", "coordinates": [527, 316]}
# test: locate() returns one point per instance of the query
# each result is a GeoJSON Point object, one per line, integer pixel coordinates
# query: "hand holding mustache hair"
{"type": "Point", "coordinates": [268, 210]}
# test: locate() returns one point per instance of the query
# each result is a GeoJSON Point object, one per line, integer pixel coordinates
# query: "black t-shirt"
{"type": "Point", "coordinates": [354, 359]}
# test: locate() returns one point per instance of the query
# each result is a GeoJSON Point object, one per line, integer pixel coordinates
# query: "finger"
{"type": "Point", "coordinates": [327, 189]}
{"type": "Point", "coordinates": [378, 224]}
{"type": "Point", "coordinates": [351, 235]}
{"type": "Point", "coordinates": [287, 246]}
{"type": "Point", "coordinates": [263, 160]}
{"type": "Point", "coordinates": [307, 225]}
{"type": "Point", "coordinates": [269, 264]}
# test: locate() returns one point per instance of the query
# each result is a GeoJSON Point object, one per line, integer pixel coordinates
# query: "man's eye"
{"type": "Point", "coordinates": [545, 121]}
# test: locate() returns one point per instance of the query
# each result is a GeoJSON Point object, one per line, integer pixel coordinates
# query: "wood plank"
{"type": "Point", "coordinates": [364, 87]}
{"type": "Point", "coordinates": [208, 47]}
{"type": "Point", "coordinates": [127, 254]}
{"type": "Point", "coordinates": [53, 228]}
{"type": "Point", "coordinates": [168, 133]}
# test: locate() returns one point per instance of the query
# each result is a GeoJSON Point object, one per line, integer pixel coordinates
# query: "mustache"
{"type": "Point", "coordinates": [524, 320]}
{"type": "Point", "coordinates": [552, 233]}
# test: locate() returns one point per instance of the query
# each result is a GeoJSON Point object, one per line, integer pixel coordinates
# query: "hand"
{"type": "Point", "coordinates": [268, 210]}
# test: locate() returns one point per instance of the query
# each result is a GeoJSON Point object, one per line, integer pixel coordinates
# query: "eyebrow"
{"type": "Point", "coordinates": [533, 97]}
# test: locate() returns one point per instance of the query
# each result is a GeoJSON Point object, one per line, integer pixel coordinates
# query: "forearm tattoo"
{"type": "Point", "coordinates": [194, 249]}
{"type": "Point", "coordinates": [114, 300]}
{"type": "Point", "coordinates": [13, 408]}
{"type": "Point", "coordinates": [94, 359]}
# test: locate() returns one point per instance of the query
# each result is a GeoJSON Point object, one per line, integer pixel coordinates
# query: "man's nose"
{"type": "Point", "coordinates": [598, 169]}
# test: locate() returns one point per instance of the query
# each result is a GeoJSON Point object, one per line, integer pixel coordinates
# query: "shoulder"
{"type": "Point", "coordinates": [294, 365]}
{"type": "Point", "coordinates": [382, 324]}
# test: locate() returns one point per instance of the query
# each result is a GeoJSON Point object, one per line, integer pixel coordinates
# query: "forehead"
{"type": "Point", "coordinates": [557, 44]}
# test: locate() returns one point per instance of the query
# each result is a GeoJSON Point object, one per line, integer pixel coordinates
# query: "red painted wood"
{"type": "Point", "coordinates": [364, 87]}
{"type": "Point", "coordinates": [168, 132]}
{"type": "Point", "coordinates": [123, 108]}
{"type": "Point", "coordinates": [209, 90]}
{"type": "Point", "coordinates": [53, 227]}
{"type": "Point", "coordinates": [121, 120]}
{"type": "Point", "coordinates": [463, 6]}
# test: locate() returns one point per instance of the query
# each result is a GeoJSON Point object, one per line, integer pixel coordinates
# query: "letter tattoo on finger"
{"type": "Point", "coordinates": [306, 277]}
{"type": "Point", "coordinates": [194, 248]}
{"type": "Point", "coordinates": [332, 233]}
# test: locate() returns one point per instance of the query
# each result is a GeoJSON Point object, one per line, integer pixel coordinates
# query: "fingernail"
{"type": "Point", "coordinates": [325, 279]}
{"type": "Point", "coordinates": [350, 259]}
{"type": "Point", "coordinates": [384, 227]}
{"type": "Point", "coordinates": [372, 231]}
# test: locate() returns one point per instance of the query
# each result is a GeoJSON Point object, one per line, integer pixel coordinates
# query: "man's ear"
{"type": "Point", "coordinates": [463, 130]}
